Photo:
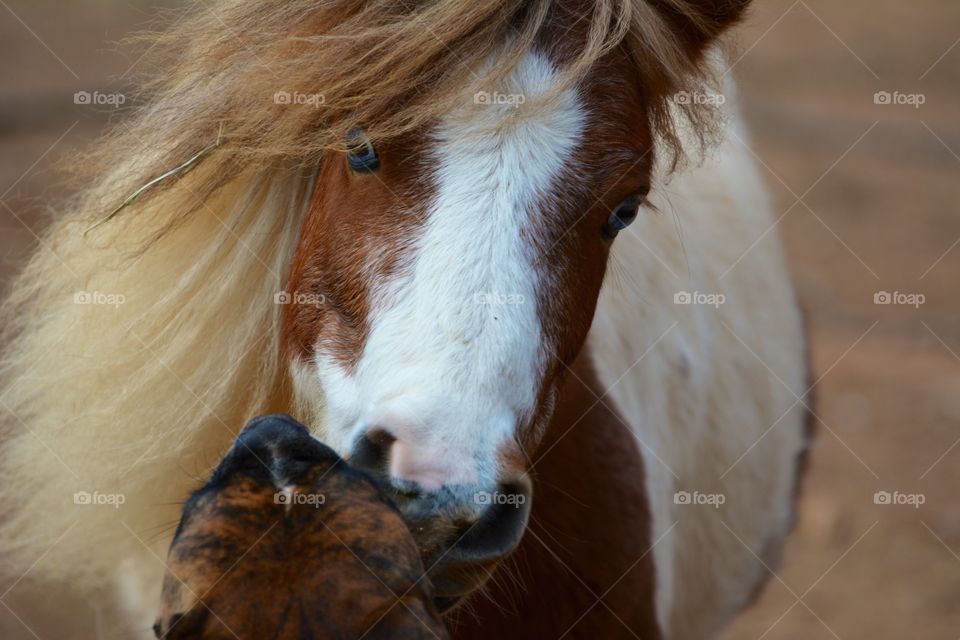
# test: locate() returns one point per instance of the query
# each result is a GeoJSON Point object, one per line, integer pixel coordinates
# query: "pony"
{"type": "Point", "coordinates": [329, 554]}
{"type": "Point", "coordinates": [513, 258]}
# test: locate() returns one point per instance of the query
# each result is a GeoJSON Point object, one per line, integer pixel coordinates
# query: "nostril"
{"type": "Point", "coordinates": [501, 525]}
{"type": "Point", "coordinates": [372, 450]}
{"type": "Point", "coordinates": [274, 449]}
{"type": "Point", "coordinates": [266, 431]}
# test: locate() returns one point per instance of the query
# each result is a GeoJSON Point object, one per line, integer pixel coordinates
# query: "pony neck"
{"type": "Point", "coordinates": [584, 565]}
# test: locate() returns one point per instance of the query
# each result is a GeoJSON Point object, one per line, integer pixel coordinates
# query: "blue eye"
{"type": "Point", "coordinates": [361, 156]}
{"type": "Point", "coordinates": [621, 217]}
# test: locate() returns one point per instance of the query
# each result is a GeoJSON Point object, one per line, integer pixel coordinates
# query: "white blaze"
{"type": "Point", "coordinates": [454, 356]}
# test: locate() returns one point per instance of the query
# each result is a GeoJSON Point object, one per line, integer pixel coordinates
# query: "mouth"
{"type": "Point", "coordinates": [461, 540]}
{"type": "Point", "coordinates": [454, 585]}
{"type": "Point", "coordinates": [446, 604]}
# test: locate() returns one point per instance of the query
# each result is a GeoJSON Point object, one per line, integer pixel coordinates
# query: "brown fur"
{"type": "Point", "coordinates": [618, 149]}
{"type": "Point", "coordinates": [589, 536]}
{"type": "Point", "coordinates": [244, 566]}
{"type": "Point", "coordinates": [356, 225]}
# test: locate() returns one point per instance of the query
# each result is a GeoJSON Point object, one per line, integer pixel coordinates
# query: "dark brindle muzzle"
{"type": "Point", "coordinates": [286, 541]}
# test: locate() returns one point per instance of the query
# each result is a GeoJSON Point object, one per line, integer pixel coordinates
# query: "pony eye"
{"type": "Point", "coordinates": [361, 156]}
{"type": "Point", "coordinates": [621, 217]}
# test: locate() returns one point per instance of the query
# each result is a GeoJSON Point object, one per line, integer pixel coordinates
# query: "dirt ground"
{"type": "Point", "coordinates": [869, 196]}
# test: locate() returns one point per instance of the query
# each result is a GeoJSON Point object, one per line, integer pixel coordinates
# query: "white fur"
{"type": "Point", "coordinates": [454, 354]}
{"type": "Point", "coordinates": [700, 399]}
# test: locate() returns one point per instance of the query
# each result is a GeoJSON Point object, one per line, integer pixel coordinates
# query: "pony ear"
{"type": "Point", "coordinates": [700, 22]}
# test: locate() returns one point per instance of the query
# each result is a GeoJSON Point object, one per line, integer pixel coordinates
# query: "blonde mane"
{"type": "Point", "coordinates": [134, 353]}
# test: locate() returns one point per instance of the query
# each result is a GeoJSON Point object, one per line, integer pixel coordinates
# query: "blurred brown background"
{"type": "Point", "coordinates": [869, 196]}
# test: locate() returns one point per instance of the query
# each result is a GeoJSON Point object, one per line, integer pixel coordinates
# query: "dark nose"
{"type": "Point", "coordinates": [499, 527]}
{"type": "Point", "coordinates": [372, 451]}
{"type": "Point", "coordinates": [462, 533]}
{"type": "Point", "coordinates": [467, 524]}
{"type": "Point", "coordinates": [275, 449]}
{"type": "Point", "coordinates": [463, 565]}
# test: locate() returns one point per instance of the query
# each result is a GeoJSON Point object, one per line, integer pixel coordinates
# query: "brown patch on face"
{"type": "Point", "coordinates": [331, 563]}
{"type": "Point", "coordinates": [614, 161]}
{"type": "Point", "coordinates": [356, 235]}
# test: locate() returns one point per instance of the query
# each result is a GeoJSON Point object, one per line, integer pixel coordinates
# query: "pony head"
{"type": "Point", "coordinates": [446, 277]}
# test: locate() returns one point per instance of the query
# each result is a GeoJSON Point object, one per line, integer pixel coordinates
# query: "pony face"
{"type": "Point", "coordinates": [447, 276]}
{"type": "Point", "coordinates": [286, 541]}
{"type": "Point", "coordinates": [440, 295]}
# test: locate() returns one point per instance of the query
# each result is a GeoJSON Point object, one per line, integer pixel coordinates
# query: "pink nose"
{"type": "Point", "coordinates": [429, 465]}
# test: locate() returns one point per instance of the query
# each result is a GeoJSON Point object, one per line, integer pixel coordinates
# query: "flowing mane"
{"type": "Point", "coordinates": [110, 397]}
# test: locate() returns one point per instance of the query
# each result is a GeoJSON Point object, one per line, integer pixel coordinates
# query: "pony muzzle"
{"type": "Point", "coordinates": [464, 533]}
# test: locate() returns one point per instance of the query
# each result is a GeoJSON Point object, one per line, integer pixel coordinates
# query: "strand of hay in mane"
{"type": "Point", "coordinates": [173, 173]}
